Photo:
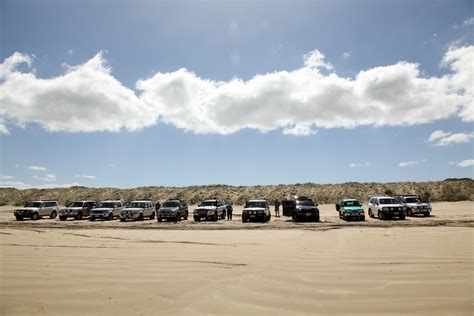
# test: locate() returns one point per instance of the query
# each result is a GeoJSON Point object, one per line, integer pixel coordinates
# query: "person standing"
{"type": "Point", "coordinates": [229, 210]}
{"type": "Point", "coordinates": [157, 206]}
{"type": "Point", "coordinates": [277, 208]}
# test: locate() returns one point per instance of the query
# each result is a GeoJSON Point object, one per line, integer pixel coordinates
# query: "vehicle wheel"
{"type": "Point", "coordinates": [186, 216]}
{"type": "Point", "coordinates": [244, 219]}
{"type": "Point", "coordinates": [317, 218]}
{"type": "Point", "coordinates": [19, 218]}
{"type": "Point", "coordinates": [426, 214]}
{"type": "Point", "coordinates": [380, 215]}
{"type": "Point", "coordinates": [152, 216]}
{"type": "Point", "coordinates": [215, 218]}
{"type": "Point", "coordinates": [401, 217]}
{"type": "Point", "coordinates": [370, 213]}
{"type": "Point", "coordinates": [122, 219]}
{"type": "Point", "coordinates": [362, 218]}
{"type": "Point", "coordinates": [410, 213]}
{"type": "Point", "coordinates": [53, 214]}
{"type": "Point", "coordinates": [79, 216]}
{"type": "Point", "coordinates": [110, 217]}
{"type": "Point", "coordinates": [62, 218]}
{"type": "Point", "coordinates": [92, 218]}
{"type": "Point", "coordinates": [35, 216]}
{"type": "Point", "coordinates": [197, 219]}
{"type": "Point", "coordinates": [140, 217]}
{"type": "Point", "coordinates": [160, 219]}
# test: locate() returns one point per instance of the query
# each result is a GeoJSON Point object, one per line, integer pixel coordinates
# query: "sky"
{"type": "Point", "coordinates": [176, 93]}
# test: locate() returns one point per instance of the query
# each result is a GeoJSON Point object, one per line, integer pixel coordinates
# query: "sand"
{"type": "Point", "coordinates": [416, 266]}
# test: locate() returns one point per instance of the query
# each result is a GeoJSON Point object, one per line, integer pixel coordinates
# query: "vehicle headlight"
{"type": "Point", "coordinates": [384, 208]}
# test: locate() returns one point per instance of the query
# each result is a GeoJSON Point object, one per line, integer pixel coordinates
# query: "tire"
{"type": "Point", "coordinates": [370, 213]}
{"type": "Point", "coordinates": [426, 214]}
{"type": "Point", "coordinates": [122, 219]}
{"type": "Point", "coordinates": [53, 214]}
{"type": "Point", "coordinates": [215, 218]}
{"type": "Point", "coordinates": [110, 217]}
{"type": "Point", "coordinates": [19, 218]}
{"type": "Point", "coordinates": [160, 219]}
{"type": "Point", "coordinates": [409, 213]}
{"type": "Point", "coordinates": [152, 216]}
{"type": "Point", "coordinates": [35, 216]}
{"type": "Point", "coordinates": [380, 215]}
{"type": "Point", "coordinates": [362, 218]}
{"type": "Point", "coordinates": [186, 216]}
{"type": "Point", "coordinates": [140, 217]}
{"type": "Point", "coordinates": [62, 218]}
{"type": "Point", "coordinates": [92, 218]}
{"type": "Point", "coordinates": [244, 220]}
{"type": "Point", "coordinates": [402, 217]}
{"type": "Point", "coordinates": [197, 219]}
{"type": "Point", "coordinates": [79, 216]}
{"type": "Point", "coordinates": [317, 218]}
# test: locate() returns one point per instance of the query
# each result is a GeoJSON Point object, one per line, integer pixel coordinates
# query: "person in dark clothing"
{"type": "Point", "coordinates": [277, 208]}
{"type": "Point", "coordinates": [229, 210]}
{"type": "Point", "coordinates": [157, 206]}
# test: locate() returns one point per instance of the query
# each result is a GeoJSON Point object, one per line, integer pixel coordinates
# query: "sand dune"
{"type": "Point", "coordinates": [411, 269]}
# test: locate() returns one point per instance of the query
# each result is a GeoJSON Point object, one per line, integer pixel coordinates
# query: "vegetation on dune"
{"type": "Point", "coordinates": [447, 190]}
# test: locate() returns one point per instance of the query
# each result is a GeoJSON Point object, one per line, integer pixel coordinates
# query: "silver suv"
{"type": "Point", "coordinates": [37, 209]}
{"type": "Point", "coordinates": [414, 205]}
{"type": "Point", "coordinates": [385, 207]}
{"type": "Point", "coordinates": [138, 210]}
{"type": "Point", "coordinates": [213, 209]}
{"type": "Point", "coordinates": [256, 210]}
{"type": "Point", "coordinates": [77, 210]}
{"type": "Point", "coordinates": [173, 210]}
{"type": "Point", "coordinates": [107, 210]}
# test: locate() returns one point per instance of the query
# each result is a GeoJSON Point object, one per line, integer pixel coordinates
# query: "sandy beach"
{"type": "Point", "coordinates": [416, 266]}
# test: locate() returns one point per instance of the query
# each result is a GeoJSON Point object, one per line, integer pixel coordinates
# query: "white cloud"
{"type": "Point", "coordinates": [408, 163]}
{"type": "Point", "coordinates": [88, 98]}
{"type": "Point", "coordinates": [441, 138]}
{"type": "Point", "coordinates": [7, 177]}
{"type": "Point", "coordinates": [37, 168]}
{"type": "Point", "coordinates": [300, 130]}
{"type": "Point", "coordinates": [48, 177]}
{"type": "Point", "coordinates": [84, 176]}
{"type": "Point", "coordinates": [70, 52]}
{"type": "Point", "coordinates": [4, 129]}
{"type": "Point", "coordinates": [11, 64]}
{"type": "Point", "coordinates": [468, 22]}
{"type": "Point", "coordinates": [345, 55]}
{"type": "Point", "coordinates": [466, 163]}
{"type": "Point", "coordinates": [360, 165]}
{"type": "Point", "coordinates": [23, 186]}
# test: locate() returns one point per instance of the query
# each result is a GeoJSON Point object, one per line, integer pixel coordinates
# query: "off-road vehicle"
{"type": "Point", "coordinates": [288, 207]}
{"type": "Point", "coordinates": [385, 207]}
{"type": "Point", "coordinates": [305, 210]}
{"type": "Point", "coordinates": [107, 210]}
{"type": "Point", "coordinates": [350, 209]}
{"type": "Point", "coordinates": [77, 210]}
{"type": "Point", "coordinates": [414, 205]}
{"type": "Point", "coordinates": [173, 210]}
{"type": "Point", "coordinates": [37, 209]}
{"type": "Point", "coordinates": [256, 210]}
{"type": "Point", "coordinates": [212, 209]}
{"type": "Point", "coordinates": [138, 210]}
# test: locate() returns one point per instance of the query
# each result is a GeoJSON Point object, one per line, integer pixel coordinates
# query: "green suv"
{"type": "Point", "coordinates": [350, 209]}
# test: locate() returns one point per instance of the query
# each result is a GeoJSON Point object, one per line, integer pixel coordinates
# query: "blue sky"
{"type": "Point", "coordinates": [127, 94]}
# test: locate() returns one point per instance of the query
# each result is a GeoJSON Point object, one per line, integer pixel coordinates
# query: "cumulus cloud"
{"type": "Point", "coordinates": [48, 177]}
{"type": "Point", "coordinates": [441, 138]}
{"type": "Point", "coordinates": [37, 168]}
{"type": "Point", "coordinates": [7, 177]}
{"type": "Point", "coordinates": [360, 165]}
{"type": "Point", "coordinates": [88, 98]}
{"type": "Point", "coordinates": [84, 176]}
{"type": "Point", "coordinates": [11, 64]}
{"type": "Point", "coordinates": [465, 163]}
{"type": "Point", "coordinates": [408, 163]}
{"type": "Point", "coordinates": [23, 186]}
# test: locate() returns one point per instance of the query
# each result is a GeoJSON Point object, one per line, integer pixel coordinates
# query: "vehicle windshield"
{"type": "Point", "coordinates": [388, 201]}
{"type": "Point", "coordinates": [170, 204]}
{"type": "Point", "coordinates": [136, 205]}
{"type": "Point", "coordinates": [412, 200]}
{"type": "Point", "coordinates": [305, 202]}
{"type": "Point", "coordinates": [209, 203]}
{"type": "Point", "coordinates": [33, 204]}
{"type": "Point", "coordinates": [351, 203]}
{"type": "Point", "coordinates": [77, 204]}
{"type": "Point", "coordinates": [107, 205]}
{"type": "Point", "coordinates": [256, 204]}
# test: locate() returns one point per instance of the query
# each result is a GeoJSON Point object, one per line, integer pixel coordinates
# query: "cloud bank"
{"type": "Point", "coordinates": [441, 138]}
{"type": "Point", "coordinates": [88, 98]}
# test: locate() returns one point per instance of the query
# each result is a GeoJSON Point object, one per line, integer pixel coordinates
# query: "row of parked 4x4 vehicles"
{"type": "Point", "coordinates": [300, 209]}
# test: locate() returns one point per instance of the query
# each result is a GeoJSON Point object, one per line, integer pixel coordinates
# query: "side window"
{"type": "Point", "coordinates": [376, 202]}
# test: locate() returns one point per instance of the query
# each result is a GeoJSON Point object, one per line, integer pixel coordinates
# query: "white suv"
{"type": "Point", "coordinates": [37, 209]}
{"type": "Point", "coordinates": [385, 207]}
{"type": "Point", "coordinates": [256, 210]}
{"type": "Point", "coordinates": [107, 210]}
{"type": "Point", "coordinates": [138, 210]}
